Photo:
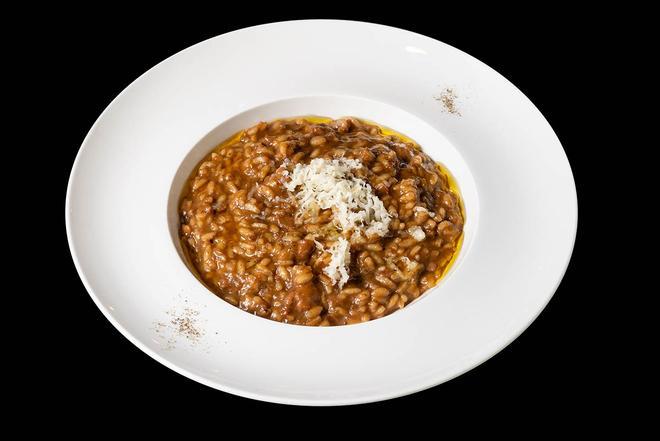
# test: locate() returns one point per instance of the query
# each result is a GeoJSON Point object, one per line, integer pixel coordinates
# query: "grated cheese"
{"type": "Point", "coordinates": [420, 208]}
{"type": "Point", "coordinates": [417, 233]}
{"type": "Point", "coordinates": [328, 184]}
{"type": "Point", "coordinates": [411, 265]}
{"type": "Point", "coordinates": [337, 269]}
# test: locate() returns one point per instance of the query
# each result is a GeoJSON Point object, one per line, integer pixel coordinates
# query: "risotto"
{"type": "Point", "coordinates": [315, 221]}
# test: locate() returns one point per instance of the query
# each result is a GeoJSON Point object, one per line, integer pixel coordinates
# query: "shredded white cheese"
{"type": "Point", "coordinates": [417, 233]}
{"type": "Point", "coordinates": [420, 208]}
{"type": "Point", "coordinates": [328, 184]}
{"type": "Point", "coordinates": [337, 269]}
{"type": "Point", "coordinates": [410, 264]}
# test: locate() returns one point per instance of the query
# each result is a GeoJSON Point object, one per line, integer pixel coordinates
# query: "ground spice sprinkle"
{"type": "Point", "coordinates": [448, 99]}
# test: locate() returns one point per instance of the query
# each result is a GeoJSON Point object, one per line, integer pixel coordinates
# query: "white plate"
{"type": "Point", "coordinates": [516, 181]}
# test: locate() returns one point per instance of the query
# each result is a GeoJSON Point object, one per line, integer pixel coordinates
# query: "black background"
{"type": "Point", "coordinates": [547, 54]}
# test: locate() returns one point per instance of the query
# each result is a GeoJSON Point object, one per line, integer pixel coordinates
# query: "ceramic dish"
{"type": "Point", "coordinates": [515, 180]}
